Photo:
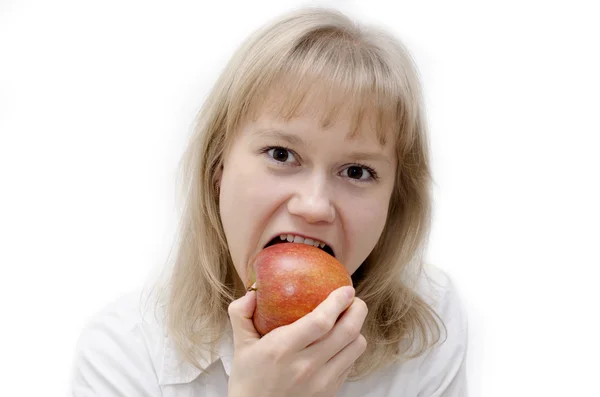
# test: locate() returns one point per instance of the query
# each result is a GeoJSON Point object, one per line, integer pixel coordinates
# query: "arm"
{"type": "Point", "coordinates": [112, 358]}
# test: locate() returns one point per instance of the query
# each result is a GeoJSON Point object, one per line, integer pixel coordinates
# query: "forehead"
{"type": "Point", "coordinates": [317, 107]}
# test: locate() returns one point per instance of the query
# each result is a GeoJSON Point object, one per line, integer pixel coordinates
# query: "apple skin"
{"type": "Point", "coordinates": [291, 280]}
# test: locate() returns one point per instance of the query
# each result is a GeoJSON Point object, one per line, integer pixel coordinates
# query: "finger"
{"type": "Point", "coordinates": [240, 313]}
{"type": "Point", "coordinates": [343, 376]}
{"type": "Point", "coordinates": [319, 322]}
{"type": "Point", "coordinates": [345, 358]}
{"type": "Point", "coordinates": [346, 330]}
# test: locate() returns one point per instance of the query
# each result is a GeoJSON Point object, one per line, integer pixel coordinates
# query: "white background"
{"type": "Point", "coordinates": [97, 98]}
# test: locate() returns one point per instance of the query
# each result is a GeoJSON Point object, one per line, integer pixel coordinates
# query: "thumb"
{"type": "Point", "coordinates": [240, 313]}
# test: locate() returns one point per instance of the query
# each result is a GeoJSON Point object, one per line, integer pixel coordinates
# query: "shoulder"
{"type": "Point", "coordinates": [442, 369]}
{"type": "Point", "coordinates": [437, 288]}
{"type": "Point", "coordinates": [439, 371]}
{"type": "Point", "coordinates": [119, 350]}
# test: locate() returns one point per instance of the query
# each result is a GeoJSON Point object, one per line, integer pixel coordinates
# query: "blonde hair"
{"type": "Point", "coordinates": [365, 70]}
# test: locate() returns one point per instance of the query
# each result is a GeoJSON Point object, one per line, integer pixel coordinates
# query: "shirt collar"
{"type": "Point", "coordinates": [175, 370]}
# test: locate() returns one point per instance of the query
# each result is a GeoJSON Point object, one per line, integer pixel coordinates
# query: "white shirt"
{"type": "Point", "coordinates": [124, 352]}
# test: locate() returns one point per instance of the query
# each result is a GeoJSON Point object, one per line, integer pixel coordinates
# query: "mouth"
{"type": "Point", "coordinates": [293, 238]}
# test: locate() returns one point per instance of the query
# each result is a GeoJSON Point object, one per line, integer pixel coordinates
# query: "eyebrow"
{"type": "Point", "coordinates": [280, 135]}
{"type": "Point", "coordinates": [295, 140]}
{"type": "Point", "coordinates": [369, 156]}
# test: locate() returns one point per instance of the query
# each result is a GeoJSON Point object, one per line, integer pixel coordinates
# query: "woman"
{"type": "Point", "coordinates": [314, 133]}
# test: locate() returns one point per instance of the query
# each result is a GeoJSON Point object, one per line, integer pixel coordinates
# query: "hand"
{"type": "Point", "coordinates": [308, 358]}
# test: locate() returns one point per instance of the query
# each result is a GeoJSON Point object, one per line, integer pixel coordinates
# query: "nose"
{"type": "Point", "coordinates": [312, 202]}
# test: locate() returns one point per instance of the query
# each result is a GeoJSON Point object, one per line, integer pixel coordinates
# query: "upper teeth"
{"type": "Point", "coordinates": [297, 239]}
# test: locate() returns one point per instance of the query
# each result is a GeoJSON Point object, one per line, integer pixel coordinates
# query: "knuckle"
{"type": "Point", "coordinates": [362, 305]}
{"type": "Point", "coordinates": [351, 329]}
{"type": "Point", "coordinates": [361, 341]}
{"type": "Point", "coordinates": [275, 352]}
{"type": "Point", "coordinates": [341, 297]}
{"type": "Point", "coordinates": [343, 376]}
{"type": "Point", "coordinates": [320, 386]}
{"type": "Point", "coordinates": [322, 322]}
{"type": "Point", "coordinates": [305, 371]}
{"type": "Point", "coordinates": [231, 308]}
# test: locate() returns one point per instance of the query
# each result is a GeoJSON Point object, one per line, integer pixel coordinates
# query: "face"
{"type": "Point", "coordinates": [299, 180]}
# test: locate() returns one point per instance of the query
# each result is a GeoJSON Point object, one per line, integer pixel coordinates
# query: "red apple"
{"type": "Point", "coordinates": [291, 280]}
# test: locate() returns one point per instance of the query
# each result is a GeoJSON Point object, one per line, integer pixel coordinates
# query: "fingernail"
{"type": "Point", "coordinates": [349, 291]}
{"type": "Point", "coordinates": [252, 288]}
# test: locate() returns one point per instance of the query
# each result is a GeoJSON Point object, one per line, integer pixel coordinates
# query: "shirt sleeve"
{"type": "Point", "coordinates": [443, 370]}
{"type": "Point", "coordinates": [113, 358]}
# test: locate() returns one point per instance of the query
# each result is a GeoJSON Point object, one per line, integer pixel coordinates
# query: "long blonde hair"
{"type": "Point", "coordinates": [360, 69]}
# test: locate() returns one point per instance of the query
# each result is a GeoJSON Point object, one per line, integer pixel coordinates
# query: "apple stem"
{"type": "Point", "coordinates": [251, 289]}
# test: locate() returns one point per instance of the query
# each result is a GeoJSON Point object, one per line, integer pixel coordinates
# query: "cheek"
{"type": "Point", "coordinates": [247, 200]}
{"type": "Point", "coordinates": [364, 225]}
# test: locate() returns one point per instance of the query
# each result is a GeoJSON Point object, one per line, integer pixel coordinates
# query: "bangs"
{"type": "Point", "coordinates": [330, 69]}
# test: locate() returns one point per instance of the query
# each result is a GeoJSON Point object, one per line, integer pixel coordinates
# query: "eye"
{"type": "Point", "coordinates": [359, 173]}
{"type": "Point", "coordinates": [281, 154]}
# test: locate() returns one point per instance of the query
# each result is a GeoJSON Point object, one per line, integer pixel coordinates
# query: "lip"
{"type": "Point", "coordinates": [304, 236]}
